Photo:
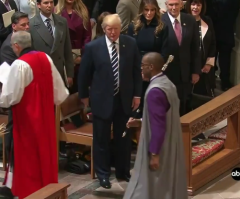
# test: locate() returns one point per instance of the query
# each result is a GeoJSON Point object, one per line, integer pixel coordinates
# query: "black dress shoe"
{"type": "Point", "coordinates": [123, 177]}
{"type": "Point", "coordinates": [105, 183]}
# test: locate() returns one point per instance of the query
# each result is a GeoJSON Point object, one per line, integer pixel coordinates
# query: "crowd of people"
{"type": "Point", "coordinates": [121, 74]}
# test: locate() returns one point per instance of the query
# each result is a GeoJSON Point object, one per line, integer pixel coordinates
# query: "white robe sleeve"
{"type": "Point", "coordinates": [20, 76]}
{"type": "Point", "coordinates": [60, 90]}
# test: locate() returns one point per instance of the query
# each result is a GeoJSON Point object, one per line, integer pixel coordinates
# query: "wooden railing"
{"type": "Point", "coordinates": [51, 191]}
{"type": "Point", "coordinates": [225, 106]}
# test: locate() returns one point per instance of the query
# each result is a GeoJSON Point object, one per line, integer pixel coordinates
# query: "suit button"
{"type": "Point", "coordinates": [59, 57]}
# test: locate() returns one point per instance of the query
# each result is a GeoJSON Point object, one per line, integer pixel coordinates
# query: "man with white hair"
{"type": "Point", "coordinates": [183, 44]}
{"type": "Point", "coordinates": [111, 64]}
{"type": "Point", "coordinates": [32, 88]}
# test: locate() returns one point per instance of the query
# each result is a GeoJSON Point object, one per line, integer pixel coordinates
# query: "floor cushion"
{"type": "Point", "coordinates": [204, 149]}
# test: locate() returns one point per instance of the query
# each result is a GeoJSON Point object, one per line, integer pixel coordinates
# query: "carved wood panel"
{"type": "Point", "coordinates": [217, 117]}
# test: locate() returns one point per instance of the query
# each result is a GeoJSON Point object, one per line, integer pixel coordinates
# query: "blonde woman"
{"type": "Point", "coordinates": [80, 29]}
{"type": "Point", "coordinates": [150, 32]}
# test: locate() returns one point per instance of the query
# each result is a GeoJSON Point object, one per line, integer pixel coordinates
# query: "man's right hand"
{"type": "Point", "coordinates": [85, 101]}
{"type": "Point", "coordinates": [134, 123]}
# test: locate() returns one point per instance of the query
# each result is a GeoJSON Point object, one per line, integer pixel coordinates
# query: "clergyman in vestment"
{"type": "Point", "coordinates": [159, 171]}
{"type": "Point", "coordinates": [32, 88]}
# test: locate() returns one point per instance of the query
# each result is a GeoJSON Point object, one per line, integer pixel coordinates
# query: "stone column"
{"type": "Point", "coordinates": [235, 62]}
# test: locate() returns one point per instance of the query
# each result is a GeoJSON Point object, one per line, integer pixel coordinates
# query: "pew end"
{"type": "Point", "coordinates": [68, 132]}
{"type": "Point", "coordinates": [225, 106]}
{"type": "Point", "coordinates": [51, 191]}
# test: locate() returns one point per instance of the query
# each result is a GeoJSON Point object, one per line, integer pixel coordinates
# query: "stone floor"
{"type": "Point", "coordinates": [82, 186]}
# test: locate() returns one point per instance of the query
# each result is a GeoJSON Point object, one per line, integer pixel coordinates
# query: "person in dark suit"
{"type": "Point", "coordinates": [224, 14]}
{"type": "Point", "coordinates": [5, 6]}
{"type": "Point", "coordinates": [183, 44]}
{"type": "Point", "coordinates": [20, 22]}
{"type": "Point", "coordinates": [150, 32]}
{"type": "Point", "coordinates": [111, 67]}
{"type": "Point", "coordinates": [207, 47]}
{"type": "Point", "coordinates": [76, 14]}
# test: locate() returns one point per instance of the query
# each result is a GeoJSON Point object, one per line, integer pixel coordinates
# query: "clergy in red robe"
{"type": "Point", "coordinates": [32, 88]}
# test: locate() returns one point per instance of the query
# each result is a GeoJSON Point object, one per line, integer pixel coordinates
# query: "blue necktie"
{"type": "Point", "coordinates": [114, 63]}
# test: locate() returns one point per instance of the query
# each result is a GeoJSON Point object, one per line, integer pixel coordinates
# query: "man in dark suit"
{"type": "Point", "coordinates": [183, 44]}
{"type": "Point", "coordinates": [50, 34]}
{"type": "Point", "coordinates": [112, 64]}
{"type": "Point", "coordinates": [5, 6]}
{"type": "Point", "coordinates": [20, 22]}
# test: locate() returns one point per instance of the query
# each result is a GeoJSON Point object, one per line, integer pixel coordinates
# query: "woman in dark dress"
{"type": "Point", "coordinates": [207, 48]}
{"type": "Point", "coordinates": [150, 33]}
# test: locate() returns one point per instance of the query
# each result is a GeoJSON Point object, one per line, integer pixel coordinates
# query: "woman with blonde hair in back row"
{"type": "Point", "coordinates": [80, 30]}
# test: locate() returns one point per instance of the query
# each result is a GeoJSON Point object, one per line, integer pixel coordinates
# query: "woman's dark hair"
{"type": "Point", "coordinates": [99, 30]}
{"type": "Point", "coordinates": [138, 23]}
{"type": "Point", "coordinates": [203, 2]}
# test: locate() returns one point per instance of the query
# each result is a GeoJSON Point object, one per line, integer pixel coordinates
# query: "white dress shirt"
{"type": "Point", "coordinates": [172, 19]}
{"type": "Point", "coordinates": [51, 22]}
{"type": "Point", "coordinates": [21, 76]}
{"type": "Point", "coordinates": [109, 46]}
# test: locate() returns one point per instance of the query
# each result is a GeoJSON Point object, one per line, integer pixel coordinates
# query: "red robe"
{"type": "Point", "coordinates": [34, 132]}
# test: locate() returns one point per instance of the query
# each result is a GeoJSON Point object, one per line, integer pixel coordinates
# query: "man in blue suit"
{"type": "Point", "coordinates": [111, 67]}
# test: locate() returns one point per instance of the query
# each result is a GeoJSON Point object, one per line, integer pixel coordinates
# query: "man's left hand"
{"type": "Point", "coordinates": [70, 81]}
{"type": "Point", "coordinates": [195, 78]}
{"type": "Point", "coordinates": [154, 162]}
{"type": "Point", "coordinates": [136, 103]}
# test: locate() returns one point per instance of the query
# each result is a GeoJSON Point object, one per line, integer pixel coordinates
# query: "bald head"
{"type": "Point", "coordinates": [152, 64]}
{"type": "Point", "coordinates": [155, 59]}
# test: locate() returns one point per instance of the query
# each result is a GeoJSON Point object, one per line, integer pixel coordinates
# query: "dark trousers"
{"type": "Point", "coordinates": [223, 54]}
{"type": "Point", "coordinates": [8, 138]}
{"type": "Point", "coordinates": [184, 91]}
{"type": "Point", "coordinates": [101, 142]}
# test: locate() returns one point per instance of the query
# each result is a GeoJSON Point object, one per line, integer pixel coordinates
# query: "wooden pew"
{"type": "Point", "coordinates": [51, 191]}
{"type": "Point", "coordinates": [4, 119]}
{"type": "Point", "coordinates": [225, 106]}
{"type": "Point", "coordinates": [82, 135]}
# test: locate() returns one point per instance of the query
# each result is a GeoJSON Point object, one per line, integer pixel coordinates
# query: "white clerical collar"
{"type": "Point", "coordinates": [109, 43]}
{"type": "Point", "coordinates": [44, 18]}
{"type": "Point", "coordinates": [157, 75]}
{"type": "Point", "coordinates": [172, 19]}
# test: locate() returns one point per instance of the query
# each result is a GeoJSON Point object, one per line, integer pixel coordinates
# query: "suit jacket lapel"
{"type": "Point", "coordinates": [171, 30]}
{"type": "Point", "coordinates": [122, 50]}
{"type": "Point", "coordinates": [204, 28]}
{"type": "Point", "coordinates": [13, 5]}
{"type": "Point", "coordinates": [57, 33]}
{"type": "Point", "coordinates": [43, 31]}
{"type": "Point", "coordinates": [105, 52]}
{"type": "Point", "coordinates": [184, 27]}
